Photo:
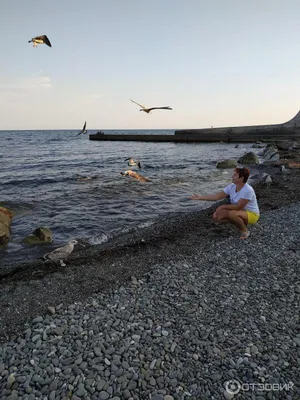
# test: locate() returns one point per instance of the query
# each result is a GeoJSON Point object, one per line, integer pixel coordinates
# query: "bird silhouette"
{"type": "Point", "coordinates": [148, 110]}
{"type": "Point", "coordinates": [40, 40]}
{"type": "Point", "coordinates": [61, 253]}
{"type": "Point", "coordinates": [83, 130]}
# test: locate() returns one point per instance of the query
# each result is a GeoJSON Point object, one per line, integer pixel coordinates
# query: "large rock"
{"type": "Point", "coordinates": [227, 164]}
{"type": "Point", "coordinates": [270, 147]}
{"type": "Point", "coordinates": [249, 158]}
{"type": "Point", "coordinates": [5, 220]}
{"type": "Point", "coordinates": [270, 153]}
{"type": "Point", "coordinates": [285, 145]}
{"type": "Point", "coordinates": [39, 236]}
{"type": "Point", "coordinates": [44, 234]}
{"type": "Point", "coordinates": [271, 156]}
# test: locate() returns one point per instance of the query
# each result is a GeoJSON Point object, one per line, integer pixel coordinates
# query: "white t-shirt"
{"type": "Point", "coordinates": [247, 192]}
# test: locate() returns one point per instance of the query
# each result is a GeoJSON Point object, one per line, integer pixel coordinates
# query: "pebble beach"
{"type": "Point", "coordinates": [184, 311]}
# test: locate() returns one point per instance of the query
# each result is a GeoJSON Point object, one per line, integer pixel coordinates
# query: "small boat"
{"type": "Point", "coordinates": [100, 133]}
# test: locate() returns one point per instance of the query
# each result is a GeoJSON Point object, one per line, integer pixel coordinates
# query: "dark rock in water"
{"type": "Point", "coordinates": [44, 234]}
{"type": "Point", "coordinates": [5, 220]}
{"type": "Point", "coordinates": [270, 148]}
{"type": "Point", "coordinates": [227, 164]}
{"type": "Point", "coordinates": [272, 144]}
{"type": "Point", "coordinates": [271, 156]}
{"type": "Point", "coordinates": [270, 153]}
{"type": "Point", "coordinates": [39, 236]}
{"type": "Point", "coordinates": [249, 158]}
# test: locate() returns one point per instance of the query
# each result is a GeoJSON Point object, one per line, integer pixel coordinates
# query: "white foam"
{"type": "Point", "coordinates": [98, 239]}
{"type": "Point", "coordinates": [145, 224]}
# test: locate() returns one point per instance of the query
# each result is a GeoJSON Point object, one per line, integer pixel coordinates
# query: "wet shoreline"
{"type": "Point", "coordinates": [29, 289]}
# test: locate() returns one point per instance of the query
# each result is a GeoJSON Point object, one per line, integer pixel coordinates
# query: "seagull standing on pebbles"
{"type": "Point", "coordinates": [61, 253]}
{"type": "Point", "coordinates": [40, 40]}
{"type": "Point", "coordinates": [147, 110]}
{"type": "Point", "coordinates": [267, 179]}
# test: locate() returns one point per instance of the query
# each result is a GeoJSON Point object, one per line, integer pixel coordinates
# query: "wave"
{"type": "Point", "coordinates": [94, 240]}
{"type": "Point", "coordinates": [40, 181]}
{"type": "Point", "coordinates": [40, 169]}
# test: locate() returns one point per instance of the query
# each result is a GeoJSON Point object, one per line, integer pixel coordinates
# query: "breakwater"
{"type": "Point", "coordinates": [289, 130]}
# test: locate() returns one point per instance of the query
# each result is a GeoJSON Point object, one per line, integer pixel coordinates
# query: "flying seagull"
{"type": "Point", "coordinates": [135, 175]}
{"type": "Point", "coordinates": [132, 163]}
{"type": "Point", "coordinates": [147, 110]}
{"type": "Point", "coordinates": [83, 130]}
{"type": "Point", "coordinates": [61, 253]}
{"type": "Point", "coordinates": [40, 40]}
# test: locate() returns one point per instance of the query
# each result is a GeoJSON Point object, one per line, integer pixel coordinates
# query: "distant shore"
{"type": "Point", "coordinates": [29, 289]}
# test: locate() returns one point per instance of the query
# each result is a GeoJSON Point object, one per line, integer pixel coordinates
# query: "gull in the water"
{"type": "Point", "coordinates": [147, 110]}
{"type": "Point", "coordinates": [132, 162]}
{"type": "Point", "coordinates": [135, 175]}
{"type": "Point", "coordinates": [40, 40]}
{"type": "Point", "coordinates": [83, 130]}
{"type": "Point", "coordinates": [84, 178]}
{"type": "Point", "coordinates": [61, 253]}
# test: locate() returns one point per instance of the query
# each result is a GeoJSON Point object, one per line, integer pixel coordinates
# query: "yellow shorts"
{"type": "Point", "coordinates": [252, 217]}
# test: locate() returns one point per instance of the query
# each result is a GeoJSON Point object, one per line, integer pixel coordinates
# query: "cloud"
{"type": "Point", "coordinates": [12, 94]}
{"type": "Point", "coordinates": [24, 93]}
{"type": "Point", "coordinates": [38, 82]}
{"type": "Point", "coordinates": [31, 83]}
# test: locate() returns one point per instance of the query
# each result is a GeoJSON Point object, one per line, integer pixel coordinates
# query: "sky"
{"type": "Point", "coordinates": [215, 62]}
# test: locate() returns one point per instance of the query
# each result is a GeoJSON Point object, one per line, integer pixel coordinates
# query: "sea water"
{"type": "Point", "coordinates": [40, 182]}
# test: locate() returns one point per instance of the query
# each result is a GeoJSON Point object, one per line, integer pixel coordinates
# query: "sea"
{"type": "Point", "coordinates": [42, 181]}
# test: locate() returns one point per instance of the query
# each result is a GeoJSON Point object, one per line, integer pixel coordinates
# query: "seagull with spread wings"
{"type": "Point", "coordinates": [148, 110]}
{"type": "Point", "coordinates": [83, 130]}
{"type": "Point", "coordinates": [40, 40]}
{"type": "Point", "coordinates": [132, 162]}
{"type": "Point", "coordinates": [135, 175]}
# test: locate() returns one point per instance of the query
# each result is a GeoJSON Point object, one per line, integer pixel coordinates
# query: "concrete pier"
{"type": "Point", "coordinates": [289, 130]}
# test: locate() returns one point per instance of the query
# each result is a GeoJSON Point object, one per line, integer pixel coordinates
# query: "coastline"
{"type": "Point", "coordinates": [215, 298]}
{"type": "Point", "coordinates": [89, 269]}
